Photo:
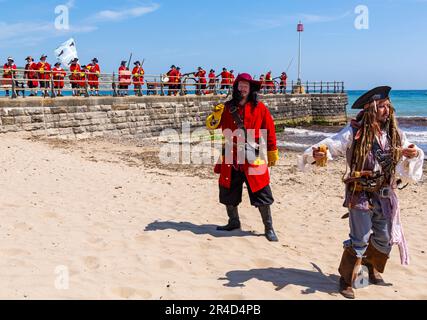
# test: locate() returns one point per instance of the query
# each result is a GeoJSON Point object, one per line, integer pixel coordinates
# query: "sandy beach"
{"type": "Point", "coordinates": [126, 227]}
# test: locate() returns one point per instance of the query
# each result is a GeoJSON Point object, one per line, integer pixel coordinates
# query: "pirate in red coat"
{"type": "Point", "coordinates": [138, 78]}
{"type": "Point", "coordinates": [44, 74]}
{"type": "Point", "coordinates": [58, 74]}
{"type": "Point", "coordinates": [249, 149]}
{"type": "Point", "coordinates": [31, 76]}
{"type": "Point", "coordinates": [201, 83]}
{"type": "Point", "coordinates": [8, 73]}
{"type": "Point", "coordinates": [93, 74]}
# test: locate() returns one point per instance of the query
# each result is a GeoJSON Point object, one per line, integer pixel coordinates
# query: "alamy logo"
{"type": "Point", "coordinates": [362, 20]}
{"type": "Point", "coordinates": [62, 280]}
{"type": "Point", "coordinates": [62, 21]}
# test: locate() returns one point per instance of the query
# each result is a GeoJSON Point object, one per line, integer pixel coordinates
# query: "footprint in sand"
{"type": "Point", "coordinates": [12, 252]}
{"type": "Point", "coordinates": [143, 238]}
{"type": "Point", "coordinates": [51, 215]}
{"type": "Point", "coordinates": [128, 293]}
{"type": "Point", "coordinates": [91, 262]}
{"type": "Point", "coordinates": [22, 226]}
{"type": "Point", "coordinates": [97, 242]}
{"type": "Point", "coordinates": [169, 264]}
{"type": "Point", "coordinates": [263, 263]}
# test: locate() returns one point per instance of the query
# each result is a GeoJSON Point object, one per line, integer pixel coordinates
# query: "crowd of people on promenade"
{"type": "Point", "coordinates": [86, 79]}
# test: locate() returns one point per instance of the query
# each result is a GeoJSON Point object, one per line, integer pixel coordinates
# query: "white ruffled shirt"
{"type": "Point", "coordinates": [408, 170]}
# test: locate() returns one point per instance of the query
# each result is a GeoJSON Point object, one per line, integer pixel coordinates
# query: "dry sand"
{"type": "Point", "coordinates": [125, 226]}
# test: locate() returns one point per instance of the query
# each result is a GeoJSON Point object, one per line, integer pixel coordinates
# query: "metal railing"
{"type": "Point", "coordinates": [21, 83]}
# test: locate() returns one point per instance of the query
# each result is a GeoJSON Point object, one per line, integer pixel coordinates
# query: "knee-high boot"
{"type": "Point", "coordinates": [348, 269]}
{"type": "Point", "coordinates": [233, 219]}
{"type": "Point", "coordinates": [268, 223]}
{"type": "Point", "coordinates": [375, 261]}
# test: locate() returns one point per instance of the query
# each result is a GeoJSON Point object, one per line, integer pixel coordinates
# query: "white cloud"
{"type": "Point", "coordinates": [32, 33]}
{"type": "Point", "coordinates": [313, 18]}
{"type": "Point", "coordinates": [273, 22]}
{"type": "Point", "coordinates": [118, 15]}
{"type": "Point", "coordinates": [70, 3]}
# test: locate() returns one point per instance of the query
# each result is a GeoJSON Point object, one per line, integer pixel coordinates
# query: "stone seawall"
{"type": "Point", "coordinates": [75, 117]}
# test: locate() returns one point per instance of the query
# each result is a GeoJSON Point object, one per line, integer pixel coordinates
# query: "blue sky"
{"type": "Point", "coordinates": [245, 35]}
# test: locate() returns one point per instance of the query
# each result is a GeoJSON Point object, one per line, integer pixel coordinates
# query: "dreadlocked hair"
{"type": "Point", "coordinates": [366, 135]}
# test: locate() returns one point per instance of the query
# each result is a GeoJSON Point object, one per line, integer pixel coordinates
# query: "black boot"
{"type": "Point", "coordinates": [233, 220]}
{"type": "Point", "coordinates": [268, 223]}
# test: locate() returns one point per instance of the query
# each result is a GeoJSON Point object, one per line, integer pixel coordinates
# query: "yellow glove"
{"type": "Point", "coordinates": [213, 121]}
{"type": "Point", "coordinates": [273, 157]}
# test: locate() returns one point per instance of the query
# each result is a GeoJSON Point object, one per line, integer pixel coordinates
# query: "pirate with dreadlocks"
{"type": "Point", "coordinates": [381, 159]}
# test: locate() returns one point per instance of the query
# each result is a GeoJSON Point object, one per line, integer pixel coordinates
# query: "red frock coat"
{"type": "Point", "coordinates": [257, 118]}
{"type": "Point", "coordinates": [93, 74]}
{"type": "Point", "coordinates": [202, 76]}
{"type": "Point", "coordinates": [30, 74]}
{"type": "Point", "coordinates": [7, 73]}
{"type": "Point", "coordinates": [75, 76]}
{"type": "Point", "coordinates": [44, 69]}
{"type": "Point", "coordinates": [58, 77]}
{"type": "Point", "coordinates": [138, 75]}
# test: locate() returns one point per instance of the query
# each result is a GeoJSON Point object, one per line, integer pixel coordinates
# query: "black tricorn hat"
{"type": "Point", "coordinates": [137, 62]}
{"type": "Point", "coordinates": [212, 70]}
{"type": "Point", "coordinates": [95, 60]}
{"type": "Point", "coordinates": [378, 93]}
{"type": "Point", "coordinates": [74, 60]}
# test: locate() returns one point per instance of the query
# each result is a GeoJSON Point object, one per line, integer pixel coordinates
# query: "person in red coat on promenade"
{"type": "Point", "coordinates": [58, 74]}
{"type": "Point", "coordinates": [249, 149]}
{"type": "Point", "coordinates": [174, 79]}
{"type": "Point", "coordinates": [201, 82]}
{"type": "Point", "coordinates": [44, 74]}
{"type": "Point", "coordinates": [31, 76]}
{"type": "Point", "coordinates": [212, 81]}
{"type": "Point", "coordinates": [8, 72]}
{"type": "Point", "coordinates": [232, 78]}
{"type": "Point", "coordinates": [269, 82]}
{"type": "Point", "coordinates": [263, 84]}
{"type": "Point", "coordinates": [138, 78]}
{"type": "Point", "coordinates": [283, 79]}
{"type": "Point", "coordinates": [124, 79]}
{"type": "Point", "coordinates": [75, 76]}
{"type": "Point", "coordinates": [93, 74]}
{"type": "Point", "coordinates": [225, 79]}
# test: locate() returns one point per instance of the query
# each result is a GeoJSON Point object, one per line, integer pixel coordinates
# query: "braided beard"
{"type": "Point", "coordinates": [370, 128]}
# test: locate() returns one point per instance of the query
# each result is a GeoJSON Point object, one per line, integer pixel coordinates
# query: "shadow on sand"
{"type": "Point", "coordinates": [208, 229]}
{"type": "Point", "coordinates": [313, 281]}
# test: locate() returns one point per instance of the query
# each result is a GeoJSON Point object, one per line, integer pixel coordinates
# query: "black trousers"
{"type": "Point", "coordinates": [233, 196]}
